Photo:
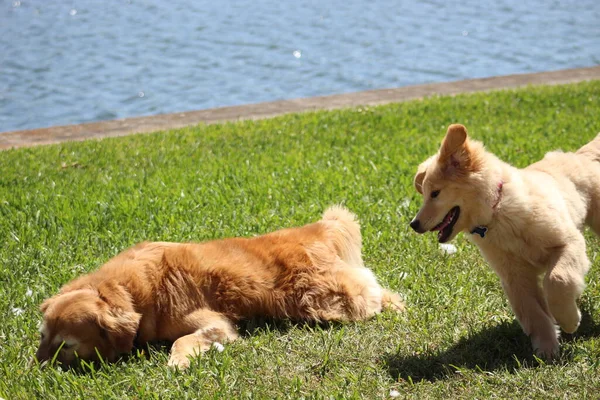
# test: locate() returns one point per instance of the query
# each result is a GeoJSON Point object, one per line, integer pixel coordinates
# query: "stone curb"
{"type": "Point", "coordinates": [122, 127]}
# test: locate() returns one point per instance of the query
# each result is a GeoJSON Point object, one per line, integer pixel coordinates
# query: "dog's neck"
{"type": "Point", "coordinates": [481, 230]}
{"type": "Point", "coordinates": [498, 195]}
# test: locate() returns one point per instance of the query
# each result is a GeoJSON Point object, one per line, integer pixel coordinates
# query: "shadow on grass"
{"type": "Point", "coordinates": [502, 347]}
{"type": "Point", "coordinates": [245, 328]}
{"type": "Point", "coordinates": [255, 326]}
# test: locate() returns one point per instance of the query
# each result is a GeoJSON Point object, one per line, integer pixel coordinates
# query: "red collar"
{"type": "Point", "coordinates": [500, 184]}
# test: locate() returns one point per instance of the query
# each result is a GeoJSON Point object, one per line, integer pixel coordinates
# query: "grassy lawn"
{"type": "Point", "coordinates": [66, 209]}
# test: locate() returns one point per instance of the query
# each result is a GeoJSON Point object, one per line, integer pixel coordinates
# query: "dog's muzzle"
{"type": "Point", "coordinates": [416, 225]}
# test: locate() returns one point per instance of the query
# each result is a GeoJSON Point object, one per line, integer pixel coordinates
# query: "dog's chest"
{"type": "Point", "coordinates": [523, 247]}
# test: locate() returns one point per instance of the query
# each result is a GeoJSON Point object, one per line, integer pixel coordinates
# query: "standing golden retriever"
{"type": "Point", "coordinates": [194, 293]}
{"type": "Point", "coordinates": [527, 223]}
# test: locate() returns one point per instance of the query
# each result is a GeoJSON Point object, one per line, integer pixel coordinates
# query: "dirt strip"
{"type": "Point", "coordinates": [121, 127]}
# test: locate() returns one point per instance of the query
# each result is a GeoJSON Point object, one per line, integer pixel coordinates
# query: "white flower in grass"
{"type": "Point", "coordinates": [17, 311]}
{"type": "Point", "coordinates": [394, 393]}
{"type": "Point", "coordinates": [448, 248]}
{"type": "Point", "coordinates": [78, 268]}
{"type": "Point", "coordinates": [218, 346]}
{"type": "Point", "coordinates": [29, 292]}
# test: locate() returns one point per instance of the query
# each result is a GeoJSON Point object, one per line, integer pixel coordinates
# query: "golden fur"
{"type": "Point", "coordinates": [194, 293]}
{"type": "Point", "coordinates": [534, 219]}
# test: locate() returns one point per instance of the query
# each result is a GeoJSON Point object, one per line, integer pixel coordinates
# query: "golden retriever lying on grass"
{"type": "Point", "coordinates": [194, 293]}
{"type": "Point", "coordinates": [527, 223]}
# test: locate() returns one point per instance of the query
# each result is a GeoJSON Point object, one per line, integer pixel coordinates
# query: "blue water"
{"type": "Point", "coordinates": [65, 62]}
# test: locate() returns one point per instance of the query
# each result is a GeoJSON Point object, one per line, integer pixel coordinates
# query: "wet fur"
{"type": "Point", "coordinates": [534, 240]}
{"type": "Point", "coordinates": [193, 294]}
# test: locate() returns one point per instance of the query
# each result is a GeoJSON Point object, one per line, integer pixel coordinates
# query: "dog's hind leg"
{"type": "Point", "coordinates": [564, 283]}
{"type": "Point", "coordinates": [211, 327]}
{"type": "Point", "coordinates": [362, 296]}
{"type": "Point", "coordinates": [594, 222]}
{"type": "Point", "coordinates": [363, 290]}
{"type": "Point", "coordinates": [342, 294]}
{"type": "Point", "coordinates": [593, 217]}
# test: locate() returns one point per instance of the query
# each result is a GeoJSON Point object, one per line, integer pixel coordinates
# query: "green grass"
{"type": "Point", "coordinates": [66, 209]}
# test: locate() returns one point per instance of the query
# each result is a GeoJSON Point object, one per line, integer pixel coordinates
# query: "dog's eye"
{"type": "Point", "coordinates": [67, 345]}
{"type": "Point", "coordinates": [435, 194]}
{"type": "Point", "coordinates": [42, 335]}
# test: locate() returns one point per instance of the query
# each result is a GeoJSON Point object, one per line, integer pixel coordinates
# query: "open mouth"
{"type": "Point", "coordinates": [445, 227]}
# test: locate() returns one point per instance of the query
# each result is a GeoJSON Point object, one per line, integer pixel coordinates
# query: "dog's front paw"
{"type": "Point", "coordinates": [570, 323]}
{"type": "Point", "coordinates": [546, 348]}
{"type": "Point", "coordinates": [392, 301]}
{"type": "Point", "coordinates": [180, 361]}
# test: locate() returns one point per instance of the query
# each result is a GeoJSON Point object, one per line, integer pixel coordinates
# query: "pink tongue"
{"type": "Point", "coordinates": [444, 223]}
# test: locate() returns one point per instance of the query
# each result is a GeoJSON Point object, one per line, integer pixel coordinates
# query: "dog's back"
{"type": "Point", "coordinates": [592, 152]}
{"type": "Point", "coordinates": [577, 175]}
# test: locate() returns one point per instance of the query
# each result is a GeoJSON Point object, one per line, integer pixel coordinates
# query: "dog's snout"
{"type": "Point", "coordinates": [416, 225]}
{"type": "Point", "coordinates": [41, 357]}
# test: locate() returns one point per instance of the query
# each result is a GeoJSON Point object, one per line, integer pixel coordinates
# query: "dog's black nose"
{"type": "Point", "coordinates": [416, 225]}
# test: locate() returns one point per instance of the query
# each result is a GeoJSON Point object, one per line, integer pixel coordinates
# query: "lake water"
{"type": "Point", "coordinates": [66, 62]}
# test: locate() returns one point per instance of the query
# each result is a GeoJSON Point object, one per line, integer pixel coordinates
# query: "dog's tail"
{"type": "Point", "coordinates": [346, 236]}
{"type": "Point", "coordinates": [592, 149]}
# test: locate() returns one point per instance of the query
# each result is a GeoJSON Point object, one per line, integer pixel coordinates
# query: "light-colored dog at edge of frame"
{"type": "Point", "coordinates": [528, 224]}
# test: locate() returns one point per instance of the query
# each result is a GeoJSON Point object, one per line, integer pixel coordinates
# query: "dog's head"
{"type": "Point", "coordinates": [452, 186]}
{"type": "Point", "coordinates": [85, 324]}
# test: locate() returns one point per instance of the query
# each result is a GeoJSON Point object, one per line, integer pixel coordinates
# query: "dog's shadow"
{"type": "Point", "coordinates": [502, 347]}
{"type": "Point", "coordinates": [256, 326]}
{"type": "Point", "coordinates": [245, 328]}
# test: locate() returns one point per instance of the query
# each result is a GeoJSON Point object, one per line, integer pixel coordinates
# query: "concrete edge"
{"type": "Point", "coordinates": [122, 127]}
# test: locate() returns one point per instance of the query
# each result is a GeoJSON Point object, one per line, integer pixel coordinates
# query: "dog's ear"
{"type": "Point", "coordinates": [421, 172]}
{"type": "Point", "coordinates": [44, 306]}
{"type": "Point", "coordinates": [117, 316]}
{"type": "Point", "coordinates": [455, 152]}
{"type": "Point", "coordinates": [120, 326]}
